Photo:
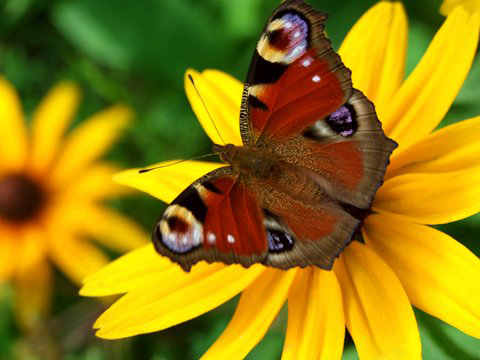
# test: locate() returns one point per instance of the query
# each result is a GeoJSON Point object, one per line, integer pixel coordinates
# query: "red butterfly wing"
{"type": "Point", "coordinates": [299, 103]}
{"type": "Point", "coordinates": [301, 235]}
{"type": "Point", "coordinates": [295, 77]}
{"type": "Point", "coordinates": [215, 219]}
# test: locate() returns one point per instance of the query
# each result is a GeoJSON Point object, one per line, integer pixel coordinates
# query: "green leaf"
{"type": "Point", "coordinates": [443, 342]}
{"type": "Point", "coordinates": [350, 353]}
{"type": "Point", "coordinates": [156, 38]}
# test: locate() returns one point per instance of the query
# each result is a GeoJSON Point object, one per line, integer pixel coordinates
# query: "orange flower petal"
{"type": "Point", "coordinates": [374, 49]}
{"type": "Point", "coordinates": [439, 274]}
{"type": "Point", "coordinates": [131, 271]}
{"type": "Point", "coordinates": [94, 183]}
{"type": "Point", "coordinates": [33, 294]}
{"type": "Point", "coordinates": [152, 307]}
{"type": "Point", "coordinates": [378, 313]}
{"type": "Point", "coordinates": [227, 86]}
{"type": "Point", "coordinates": [76, 257]}
{"type": "Point", "coordinates": [221, 94]}
{"type": "Point", "coordinates": [13, 148]}
{"type": "Point", "coordinates": [168, 182]}
{"type": "Point", "coordinates": [89, 141]}
{"type": "Point", "coordinates": [32, 247]}
{"type": "Point", "coordinates": [431, 198]}
{"type": "Point", "coordinates": [316, 325]}
{"type": "Point", "coordinates": [108, 227]}
{"type": "Point", "coordinates": [259, 304]}
{"type": "Point", "coordinates": [8, 253]}
{"type": "Point", "coordinates": [455, 147]}
{"type": "Point", "coordinates": [448, 5]}
{"type": "Point", "coordinates": [50, 121]}
{"type": "Point", "coordinates": [425, 97]}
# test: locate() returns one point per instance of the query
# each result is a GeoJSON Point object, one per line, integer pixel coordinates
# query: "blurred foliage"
{"type": "Point", "coordinates": [137, 53]}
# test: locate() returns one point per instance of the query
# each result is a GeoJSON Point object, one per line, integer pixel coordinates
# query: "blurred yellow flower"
{"type": "Point", "coordinates": [51, 189]}
{"type": "Point", "coordinates": [469, 5]}
{"type": "Point", "coordinates": [433, 178]}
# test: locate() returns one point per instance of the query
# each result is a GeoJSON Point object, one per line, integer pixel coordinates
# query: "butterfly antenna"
{"type": "Point", "coordinates": [205, 106]}
{"type": "Point", "coordinates": [174, 163]}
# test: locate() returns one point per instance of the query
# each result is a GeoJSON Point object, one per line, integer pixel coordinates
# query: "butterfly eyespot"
{"type": "Point", "coordinates": [316, 79]}
{"type": "Point", "coordinates": [278, 241]}
{"type": "Point", "coordinates": [177, 224]}
{"type": "Point", "coordinates": [285, 40]}
{"type": "Point", "coordinates": [343, 121]}
{"type": "Point", "coordinates": [179, 230]}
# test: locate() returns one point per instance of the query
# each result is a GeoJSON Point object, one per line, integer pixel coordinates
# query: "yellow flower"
{"type": "Point", "coordinates": [470, 5]}
{"type": "Point", "coordinates": [51, 188]}
{"type": "Point", "coordinates": [433, 179]}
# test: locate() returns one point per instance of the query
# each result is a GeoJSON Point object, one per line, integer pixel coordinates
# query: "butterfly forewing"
{"type": "Point", "coordinates": [295, 77]}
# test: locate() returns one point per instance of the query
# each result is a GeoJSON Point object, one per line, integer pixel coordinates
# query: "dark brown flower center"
{"type": "Point", "coordinates": [20, 198]}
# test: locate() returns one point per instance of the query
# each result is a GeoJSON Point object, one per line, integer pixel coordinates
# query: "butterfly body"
{"type": "Point", "coordinates": [264, 172]}
{"type": "Point", "coordinates": [313, 156]}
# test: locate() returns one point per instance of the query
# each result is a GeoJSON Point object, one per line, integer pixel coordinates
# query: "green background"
{"type": "Point", "coordinates": [137, 53]}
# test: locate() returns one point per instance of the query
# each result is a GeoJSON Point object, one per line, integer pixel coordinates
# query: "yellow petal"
{"type": "Point", "coordinates": [109, 228]}
{"type": "Point", "coordinates": [32, 244]}
{"type": "Point", "coordinates": [13, 146]}
{"type": "Point", "coordinates": [159, 305]}
{"type": "Point", "coordinates": [455, 147]}
{"type": "Point", "coordinates": [89, 141]}
{"type": "Point", "coordinates": [130, 271]}
{"type": "Point", "coordinates": [76, 257]}
{"type": "Point", "coordinates": [218, 95]}
{"type": "Point", "coordinates": [33, 294]}
{"type": "Point", "coordinates": [226, 84]}
{"type": "Point", "coordinates": [50, 121]}
{"type": "Point", "coordinates": [256, 310]}
{"type": "Point", "coordinates": [168, 182]}
{"type": "Point", "coordinates": [425, 97]}
{"type": "Point", "coordinates": [316, 325]}
{"type": "Point", "coordinates": [375, 49]}
{"type": "Point", "coordinates": [431, 198]}
{"type": "Point", "coordinates": [439, 274]}
{"type": "Point", "coordinates": [378, 313]}
{"type": "Point", "coordinates": [93, 183]}
{"type": "Point", "coordinates": [448, 5]}
{"type": "Point", "coordinates": [8, 253]}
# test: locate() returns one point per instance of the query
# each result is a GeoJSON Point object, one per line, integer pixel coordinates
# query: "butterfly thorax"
{"type": "Point", "coordinates": [249, 160]}
{"type": "Point", "coordinates": [264, 170]}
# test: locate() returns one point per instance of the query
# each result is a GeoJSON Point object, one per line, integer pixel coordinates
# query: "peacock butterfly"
{"type": "Point", "coordinates": [313, 156]}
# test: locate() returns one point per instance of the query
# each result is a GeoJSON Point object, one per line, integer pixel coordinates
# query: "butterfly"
{"type": "Point", "coordinates": [313, 156]}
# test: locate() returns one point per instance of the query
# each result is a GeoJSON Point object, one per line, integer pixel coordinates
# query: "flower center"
{"type": "Point", "coordinates": [20, 198]}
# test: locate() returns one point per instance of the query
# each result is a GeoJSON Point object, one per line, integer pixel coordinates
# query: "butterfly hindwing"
{"type": "Point", "coordinates": [217, 218]}
{"type": "Point", "coordinates": [301, 234]}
